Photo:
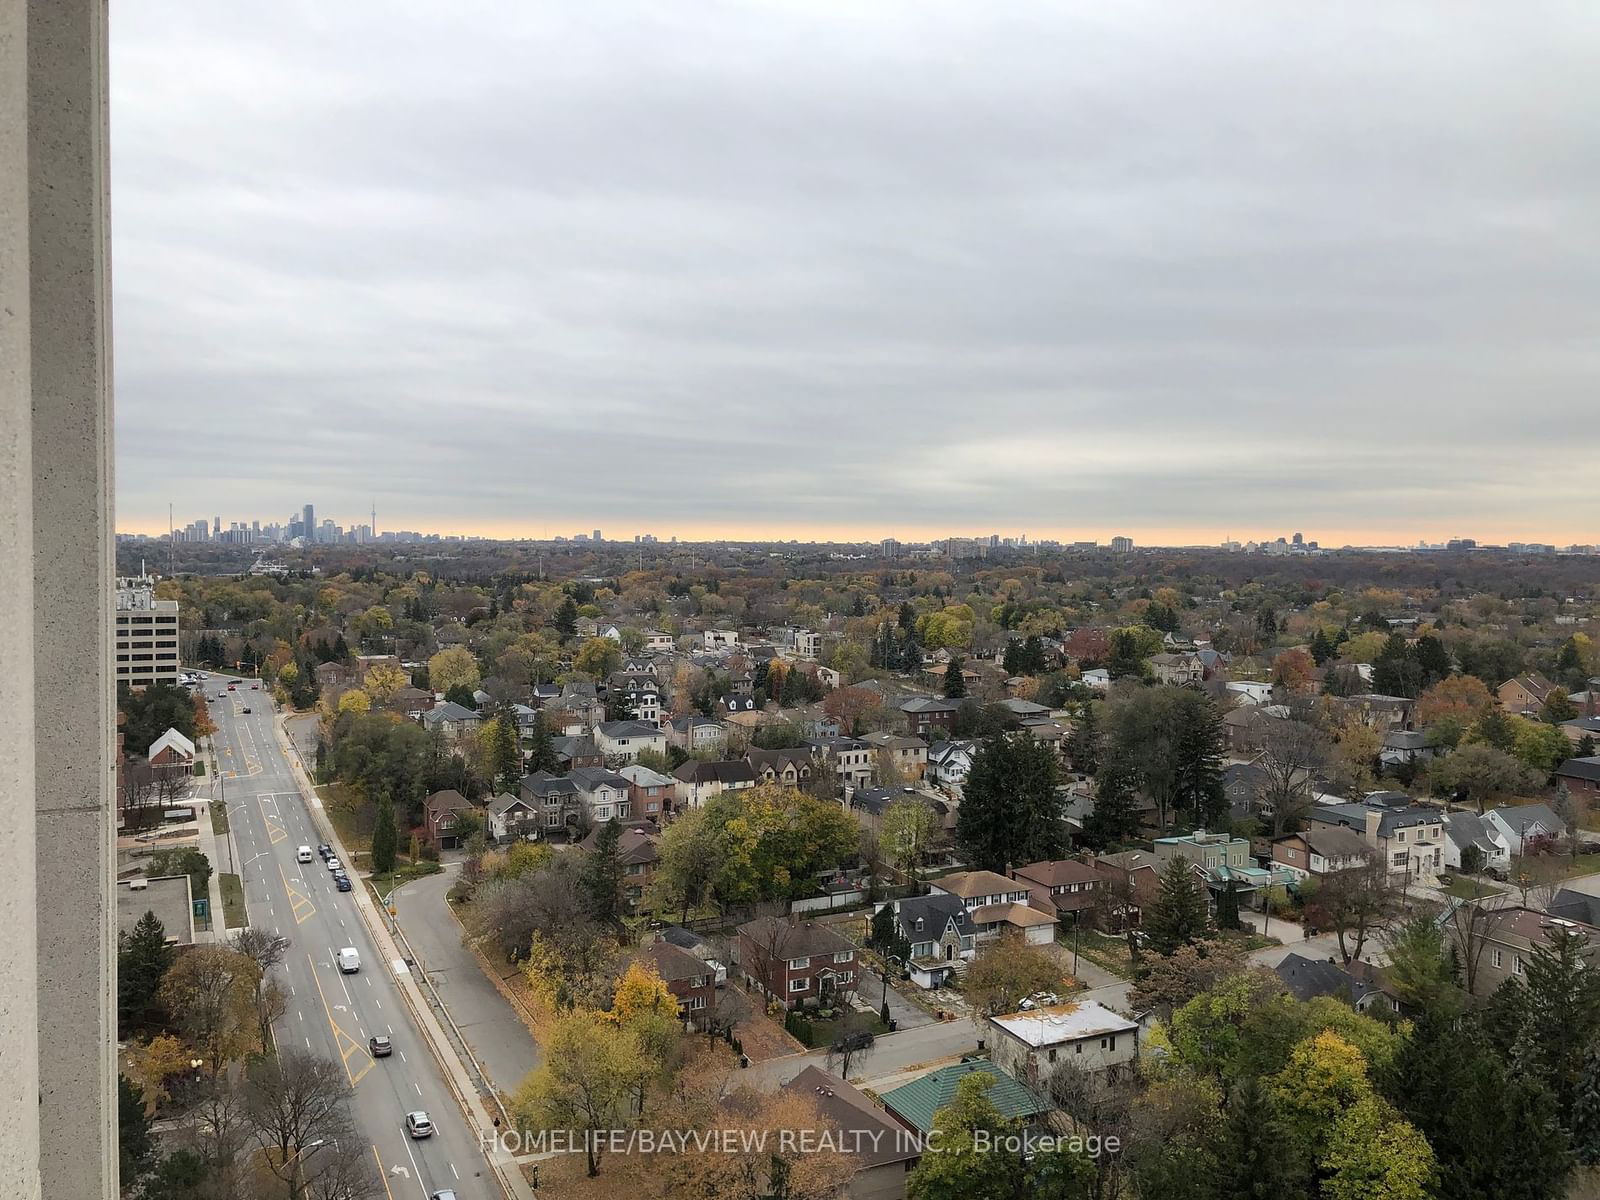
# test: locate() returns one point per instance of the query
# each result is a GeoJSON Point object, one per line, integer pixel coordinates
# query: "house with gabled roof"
{"type": "Point", "coordinates": [916, 1103]}
{"type": "Point", "coordinates": [1524, 695]}
{"type": "Point", "coordinates": [1518, 824]}
{"type": "Point", "coordinates": [940, 933]}
{"type": "Point", "coordinates": [997, 905]}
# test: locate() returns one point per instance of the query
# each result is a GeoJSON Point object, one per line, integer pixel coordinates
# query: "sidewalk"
{"type": "Point", "coordinates": [217, 854]}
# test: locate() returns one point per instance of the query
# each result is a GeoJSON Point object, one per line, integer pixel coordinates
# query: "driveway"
{"type": "Point", "coordinates": [905, 1013]}
{"type": "Point", "coordinates": [499, 1040]}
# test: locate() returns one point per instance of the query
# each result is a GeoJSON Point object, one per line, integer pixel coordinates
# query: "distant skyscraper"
{"type": "Point", "coordinates": [216, 526]}
{"type": "Point", "coordinates": [309, 521]}
{"type": "Point", "coordinates": [1122, 544]}
{"type": "Point", "coordinates": [1298, 540]}
{"type": "Point", "coordinates": [597, 536]}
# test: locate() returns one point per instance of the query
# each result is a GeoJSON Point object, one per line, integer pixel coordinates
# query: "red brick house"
{"type": "Point", "coordinates": [1525, 694]}
{"type": "Point", "coordinates": [1132, 879]}
{"type": "Point", "coordinates": [439, 813]}
{"type": "Point", "coordinates": [1582, 777]}
{"type": "Point", "coordinates": [796, 962]}
{"type": "Point", "coordinates": [1065, 886]}
{"type": "Point", "coordinates": [688, 978]}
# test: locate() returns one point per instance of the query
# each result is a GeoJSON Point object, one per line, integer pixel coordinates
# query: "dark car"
{"type": "Point", "coordinates": [380, 1046]}
{"type": "Point", "coordinates": [342, 882]}
{"type": "Point", "coordinates": [324, 851]}
{"type": "Point", "coordinates": [246, 708]}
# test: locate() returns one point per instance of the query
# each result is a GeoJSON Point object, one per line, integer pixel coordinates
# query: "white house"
{"type": "Point", "coordinates": [1249, 691]}
{"type": "Point", "coordinates": [604, 795]}
{"type": "Point", "coordinates": [1464, 829]}
{"type": "Point", "coordinates": [621, 741]}
{"type": "Point", "coordinates": [657, 642]}
{"type": "Point", "coordinates": [1032, 1046]}
{"type": "Point", "coordinates": [721, 639]}
{"type": "Point", "coordinates": [1097, 680]}
{"type": "Point", "coordinates": [1515, 825]}
{"type": "Point", "coordinates": [949, 764]}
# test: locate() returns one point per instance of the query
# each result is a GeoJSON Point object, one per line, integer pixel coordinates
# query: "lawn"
{"type": "Point", "coordinates": [817, 1033]}
{"type": "Point", "coordinates": [233, 910]}
{"type": "Point", "coordinates": [350, 816]}
{"type": "Point", "coordinates": [1464, 887]}
{"type": "Point", "coordinates": [404, 873]}
{"type": "Point", "coordinates": [1107, 953]}
{"type": "Point", "coordinates": [219, 818]}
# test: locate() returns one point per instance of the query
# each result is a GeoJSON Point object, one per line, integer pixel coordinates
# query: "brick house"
{"type": "Point", "coordinates": [439, 816]}
{"type": "Point", "coordinates": [636, 851]}
{"type": "Point", "coordinates": [1320, 850]}
{"type": "Point", "coordinates": [929, 715]}
{"type": "Point", "coordinates": [1071, 888]}
{"type": "Point", "coordinates": [795, 961]}
{"type": "Point", "coordinates": [688, 978]}
{"type": "Point", "coordinates": [1133, 878]}
{"type": "Point", "coordinates": [1582, 777]}
{"type": "Point", "coordinates": [997, 905]}
{"type": "Point", "coordinates": [1504, 941]}
{"type": "Point", "coordinates": [1525, 695]}
{"type": "Point", "coordinates": [649, 792]}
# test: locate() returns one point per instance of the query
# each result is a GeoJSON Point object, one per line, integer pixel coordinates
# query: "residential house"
{"type": "Point", "coordinates": [554, 797]}
{"type": "Point", "coordinates": [907, 755]}
{"type": "Point", "coordinates": [514, 818]}
{"type": "Point", "coordinates": [638, 694]}
{"type": "Point", "coordinates": [706, 951]}
{"type": "Point", "coordinates": [694, 734]}
{"type": "Point", "coordinates": [741, 683]}
{"type": "Point", "coordinates": [720, 639]}
{"type": "Point", "coordinates": [1383, 713]}
{"type": "Point", "coordinates": [1319, 851]}
{"type": "Point", "coordinates": [1464, 829]}
{"type": "Point", "coordinates": [1410, 837]}
{"type": "Point", "coordinates": [454, 720]}
{"type": "Point", "coordinates": [1133, 879]}
{"type": "Point", "coordinates": [171, 756]}
{"type": "Point", "coordinates": [1096, 679]}
{"type": "Point", "coordinates": [691, 982]}
{"type": "Point", "coordinates": [1177, 668]}
{"type": "Point", "coordinates": [1580, 728]}
{"type": "Point", "coordinates": [1572, 905]}
{"type": "Point", "coordinates": [1518, 824]}
{"type": "Point", "coordinates": [1525, 695]}
{"type": "Point", "coordinates": [1223, 861]}
{"type": "Point", "coordinates": [576, 751]}
{"type": "Point", "coordinates": [929, 717]}
{"type": "Point", "coordinates": [850, 759]}
{"type": "Point", "coordinates": [620, 742]}
{"type": "Point", "coordinates": [1033, 1046]}
{"type": "Point", "coordinates": [698, 780]}
{"type": "Point", "coordinates": [1582, 777]}
{"type": "Point", "coordinates": [334, 678]}
{"type": "Point", "coordinates": [915, 1103]}
{"type": "Point", "coordinates": [1307, 978]}
{"type": "Point", "coordinates": [441, 813]}
{"type": "Point", "coordinates": [657, 642]}
{"type": "Point", "coordinates": [797, 962]}
{"type": "Point", "coordinates": [739, 710]}
{"type": "Point", "coordinates": [636, 851]}
{"type": "Point", "coordinates": [940, 934]}
{"type": "Point", "coordinates": [795, 767]}
{"type": "Point", "coordinates": [997, 905]}
{"type": "Point", "coordinates": [1071, 888]}
{"type": "Point", "coordinates": [1405, 747]}
{"type": "Point", "coordinates": [1249, 691]}
{"type": "Point", "coordinates": [949, 764]}
{"type": "Point", "coordinates": [605, 795]}
{"type": "Point", "coordinates": [879, 1148]}
{"type": "Point", "coordinates": [1504, 941]}
{"type": "Point", "coordinates": [650, 793]}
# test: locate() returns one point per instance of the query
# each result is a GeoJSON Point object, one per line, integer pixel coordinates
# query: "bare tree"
{"type": "Point", "coordinates": [222, 1129]}
{"type": "Point", "coordinates": [296, 1100]}
{"type": "Point", "coordinates": [1471, 925]}
{"type": "Point", "coordinates": [341, 1169]}
{"type": "Point", "coordinates": [1359, 903]}
{"type": "Point", "coordinates": [1105, 1102]}
{"type": "Point", "coordinates": [1537, 878]}
{"type": "Point", "coordinates": [851, 1044]}
{"type": "Point", "coordinates": [1292, 753]}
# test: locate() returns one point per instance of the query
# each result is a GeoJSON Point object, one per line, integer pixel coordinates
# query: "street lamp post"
{"type": "Point", "coordinates": [296, 1184]}
{"type": "Point", "coordinates": [887, 959]}
{"type": "Point", "coordinates": [1076, 925]}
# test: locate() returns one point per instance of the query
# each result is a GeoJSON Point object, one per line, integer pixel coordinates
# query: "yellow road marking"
{"type": "Point", "coordinates": [382, 1174]}
{"type": "Point", "coordinates": [299, 902]}
{"type": "Point", "coordinates": [347, 1045]}
{"type": "Point", "coordinates": [275, 832]}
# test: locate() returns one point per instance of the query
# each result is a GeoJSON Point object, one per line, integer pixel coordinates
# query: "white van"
{"type": "Point", "coordinates": [303, 854]}
{"type": "Point", "coordinates": [349, 961]}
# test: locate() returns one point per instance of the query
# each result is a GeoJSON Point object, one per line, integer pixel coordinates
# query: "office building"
{"type": "Point", "coordinates": [308, 523]}
{"type": "Point", "coordinates": [1121, 545]}
{"type": "Point", "coordinates": [146, 634]}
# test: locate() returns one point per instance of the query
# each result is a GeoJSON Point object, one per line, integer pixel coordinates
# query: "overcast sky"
{"type": "Point", "coordinates": [1069, 269]}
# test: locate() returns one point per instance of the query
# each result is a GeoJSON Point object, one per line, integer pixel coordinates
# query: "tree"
{"type": "Point", "coordinates": [1481, 774]}
{"type": "Point", "coordinates": [1374, 1155]}
{"type": "Point", "coordinates": [1505, 1142]}
{"type": "Point", "coordinates": [1541, 748]}
{"type": "Point", "coordinates": [266, 950]}
{"type": "Point", "coordinates": [149, 713]}
{"type": "Point", "coordinates": [355, 700]}
{"type": "Point", "coordinates": [211, 992]}
{"type": "Point", "coordinates": [885, 936]}
{"type": "Point", "coordinates": [687, 856]}
{"type": "Point", "coordinates": [566, 618]}
{"type": "Point", "coordinates": [1255, 1156]}
{"type": "Point", "coordinates": [1463, 698]}
{"type": "Point", "coordinates": [1010, 812]}
{"type": "Point", "coordinates": [1493, 728]}
{"type": "Point", "coordinates": [541, 752]}
{"type": "Point", "coordinates": [1420, 971]}
{"type": "Point", "coordinates": [1168, 982]}
{"type": "Point", "coordinates": [1293, 754]}
{"type": "Point", "coordinates": [598, 657]}
{"type": "Point", "coordinates": [135, 1143]}
{"type": "Point", "coordinates": [1585, 1121]}
{"type": "Point", "coordinates": [1083, 744]}
{"type": "Point", "coordinates": [955, 686]}
{"type": "Point", "coordinates": [1557, 707]}
{"type": "Point", "coordinates": [182, 860]}
{"type": "Point", "coordinates": [453, 667]}
{"type": "Point", "coordinates": [505, 754]}
{"type": "Point", "coordinates": [383, 682]}
{"type": "Point", "coordinates": [1561, 1011]}
{"type": "Point", "coordinates": [1166, 743]}
{"type": "Point", "coordinates": [1294, 671]}
{"type": "Point", "coordinates": [1177, 916]}
{"type": "Point", "coordinates": [852, 1042]}
{"type": "Point", "coordinates": [908, 827]}
{"type": "Point", "coordinates": [1006, 972]}
{"type": "Point", "coordinates": [143, 957]}
{"type": "Point", "coordinates": [1228, 907]}
{"type": "Point", "coordinates": [603, 875]}
{"type": "Point", "coordinates": [1359, 903]}
{"type": "Point", "coordinates": [585, 1083]}
{"type": "Point", "coordinates": [294, 1099]}
{"type": "Point", "coordinates": [385, 837]}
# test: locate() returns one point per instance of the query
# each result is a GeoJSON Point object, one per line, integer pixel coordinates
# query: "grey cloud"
{"type": "Point", "coordinates": [1055, 267]}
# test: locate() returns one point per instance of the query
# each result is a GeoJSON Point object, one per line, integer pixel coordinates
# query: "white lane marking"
{"type": "Point", "coordinates": [308, 1043]}
{"type": "Point", "coordinates": [418, 1086]}
{"type": "Point", "coordinates": [402, 1056]}
{"type": "Point", "coordinates": [454, 1172]}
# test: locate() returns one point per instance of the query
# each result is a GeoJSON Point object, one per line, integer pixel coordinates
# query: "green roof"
{"type": "Point", "coordinates": [918, 1100]}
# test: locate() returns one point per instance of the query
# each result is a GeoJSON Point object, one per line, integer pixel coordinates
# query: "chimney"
{"type": "Point", "coordinates": [1374, 819]}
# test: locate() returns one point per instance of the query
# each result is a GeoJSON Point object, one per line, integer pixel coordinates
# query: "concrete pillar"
{"type": "Point", "coordinates": [19, 1043]}
{"type": "Point", "coordinates": [55, 658]}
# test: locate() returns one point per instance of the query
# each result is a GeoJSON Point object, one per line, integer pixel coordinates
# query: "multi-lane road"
{"type": "Point", "coordinates": [330, 1013]}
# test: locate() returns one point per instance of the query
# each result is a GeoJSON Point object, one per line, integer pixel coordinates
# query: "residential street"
{"type": "Point", "coordinates": [499, 1039]}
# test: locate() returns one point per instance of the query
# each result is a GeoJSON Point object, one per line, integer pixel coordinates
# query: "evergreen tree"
{"type": "Point", "coordinates": [142, 959]}
{"type": "Point", "coordinates": [955, 687]}
{"type": "Point", "coordinates": [794, 687]}
{"type": "Point", "coordinates": [1322, 650]}
{"type": "Point", "coordinates": [886, 937]}
{"type": "Point", "coordinates": [507, 753]}
{"type": "Point", "coordinates": [1495, 729]}
{"type": "Point", "coordinates": [1010, 813]}
{"type": "Point", "coordinates": [341, 649]}
{"type": "Point", "coordinates": [1397, 671]}
{"type": "Point", "coordinates": [908, 616]}
{"type": "Point", "coordinates": [1494, 1131]}
{"type": "Point", "coordinates": [1255, 1154]}
{"type": "Point", "coordinates": [1586, 1111]}
{"type": "Point", "coordinates": [1011, 663]}
{"type": "Point", "coordinates": [1561, 1013]}
{"type": "Point", "coordinates": [1197, 759]}
{"type": "Point", "coordinates": [1586, 746]}
{"type": "Point", "coordinates": [136, 1145]}
{"type": "Point", "coordinates": [1115, 815]}
{"type": "Point", "coordinates": [1228, 907]}
{"type": "Point", "coordinates": [602, 875]}
{"type": "Point", "coordinates": [1033, 656]}
{"type": "Point", "coordinates": [385, 838]}
{"type": "Point", "coordinates": [1177, 916]}
{"type": "Point", "coordinates": [566, 621]}
{"type": "Point", "coordinates": [1433, 661]}
{"type": "Point", "coordinates": [541, 753]}
{"type": "Point", "coordinates": [1083, 746]}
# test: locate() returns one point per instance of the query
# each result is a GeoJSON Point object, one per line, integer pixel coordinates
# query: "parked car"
{"type": "Point", "coordinates": [333, 864]}
{"type": "Point", "coordinates": [418, 1125]}
{"type": "Point", "coordinates": [380, 1046]}
{"type": "Point", "coordinates": [325, 851]}
{"type": "Point", "coordinates": [342, 882]}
